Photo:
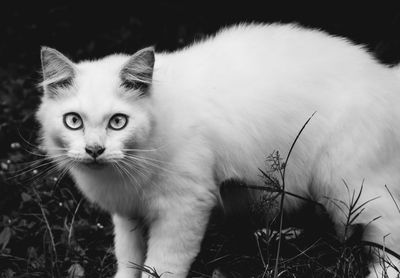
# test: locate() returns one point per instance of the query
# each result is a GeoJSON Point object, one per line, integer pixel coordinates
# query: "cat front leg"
{"type": "Point", "coordinates": [129, 246]}
{"type": "Point", "coordinates": [175, 236]}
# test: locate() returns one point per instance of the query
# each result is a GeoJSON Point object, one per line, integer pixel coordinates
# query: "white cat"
{"type": "Point", "coordinates": [150, 137]}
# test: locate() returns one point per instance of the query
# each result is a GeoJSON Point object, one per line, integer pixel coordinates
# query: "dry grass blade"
{"type": "Point", "coordinates": [283, 190]}
{"type": "Point", "coordinates": [146, 269]}
{"type": "Point", "coordinates": [394, 200]}
{"type": "Point", "coordinates": [49, 230]}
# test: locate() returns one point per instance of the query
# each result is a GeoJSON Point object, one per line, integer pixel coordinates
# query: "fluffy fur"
{"type": "Point", "coordinates": [214, 111]}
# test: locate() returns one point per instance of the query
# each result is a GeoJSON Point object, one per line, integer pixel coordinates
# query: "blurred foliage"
{"type": "Point", "coordinates": [46, 228]}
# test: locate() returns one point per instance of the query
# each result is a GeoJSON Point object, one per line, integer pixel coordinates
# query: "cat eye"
{"type": "Point", "coordinates": [73, 121]}
{"type": "Point", "coordinates": [118, 121]}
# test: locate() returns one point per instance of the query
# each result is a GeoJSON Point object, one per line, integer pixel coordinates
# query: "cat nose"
{"type": "Point", "coordinates": [95, 151]}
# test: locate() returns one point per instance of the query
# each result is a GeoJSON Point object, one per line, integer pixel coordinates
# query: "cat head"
{"type": "Point", "coordinates": [94, 112]}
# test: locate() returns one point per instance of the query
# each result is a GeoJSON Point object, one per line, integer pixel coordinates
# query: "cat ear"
{"type": "Point", "coordinates": [58, 70]}
{"type": "Point", "coordinates": [137, 73]}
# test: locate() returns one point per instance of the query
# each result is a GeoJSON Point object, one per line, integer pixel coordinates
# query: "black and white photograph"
{"type": "Point", "coordinates": [174, 139]}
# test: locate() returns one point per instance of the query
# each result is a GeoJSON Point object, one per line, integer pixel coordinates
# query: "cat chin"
{"type": "Point", "coordinates": [94, 165]}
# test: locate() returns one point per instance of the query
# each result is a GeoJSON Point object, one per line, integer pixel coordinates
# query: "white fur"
{"type": "Point", "coordinates": [215, 111]}
{"type": "Point", "coordinates": [397, 70]}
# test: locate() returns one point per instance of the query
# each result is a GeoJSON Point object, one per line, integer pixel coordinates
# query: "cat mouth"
{"type": "Point", "coordinates": [94, 164]}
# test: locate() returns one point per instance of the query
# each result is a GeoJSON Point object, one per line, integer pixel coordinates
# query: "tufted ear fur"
{"type": "Point", "coordinates": [137, 73]}
{"type": "Point", "coordinates": [58, 71]}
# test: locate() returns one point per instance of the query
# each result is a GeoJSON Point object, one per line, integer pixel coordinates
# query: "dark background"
{"type": "Point", "coordinates": [89, 30]}
{"type": "Point", "coordinates": [93, 29]}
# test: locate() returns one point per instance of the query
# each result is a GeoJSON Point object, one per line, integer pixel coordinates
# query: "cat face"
{"type": "Point", "coordinates": [94, 113]}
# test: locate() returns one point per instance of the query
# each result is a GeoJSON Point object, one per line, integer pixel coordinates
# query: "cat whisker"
{"type": "Point", "coordinates": [25, 140]}
{"type": "Point", "coordinates": [128, 154]}
{"type": "Point", "coordinates": [43, 158]}
{"type": "Point", "coordinates": [29, 164]}
{"type": "Point", "coordinates": [63, 166]}
{"type": "Point", "coordinates": [35, 165]}
{"type": "Point", "coordinates": [67, 168]}
{"type": "Point", "coordinates": [49, 157]}
{"type": "Point", "coordinates": [130, 176]}
{"type": "Point", "coordinates": [136, 168]}
{"type": "Point", "coordinates": [35, 147]}
{"type": "Point", "coordinates": [40, 154]}
{"type": "Point", "coordinates": [28, 169]}
{"type": "Point", "coordinates": [145, 150]}
{"type": "Point", "coordinates": [53, 166]}
{"type": "Point", "coordinates": [130, 167]}
{"type": "Point", "coordinates": [144, 161]}
{"type": "Point", "coordinates": [150, 159]}
{"type": "Point", "coordinates": [41, 175]}
{"type": "Point", "coordinates": [115, 167]}
{"type": "Point", "coordinates": [118, 167]}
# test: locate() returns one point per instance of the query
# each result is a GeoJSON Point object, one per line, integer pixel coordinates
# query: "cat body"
{"type": "Point", "coordinates": [214, 111]}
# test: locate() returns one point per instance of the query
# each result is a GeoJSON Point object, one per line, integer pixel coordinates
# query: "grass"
{"type": "Point", "coordinates": [46, 228]}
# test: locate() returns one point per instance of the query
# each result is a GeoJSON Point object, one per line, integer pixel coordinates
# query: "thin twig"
{"type": "Point", "coordinates": [53, 244]}
{"type": "Point", "coordinates": [283, 194]}
{"type": "Point", "coordinates": [264, 188]}
{"type": "Point", "coordinates": [379, 246]}
{"type": "Point", "coordinates": [259, 250]}
{"type": "Point", "coordinates": [72, 222]}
